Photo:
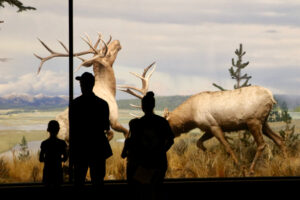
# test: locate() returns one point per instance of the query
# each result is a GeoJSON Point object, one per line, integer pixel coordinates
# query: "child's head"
{"type": "Point", "coordinates": [53, 127]}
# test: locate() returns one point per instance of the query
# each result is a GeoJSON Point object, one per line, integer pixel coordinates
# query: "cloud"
{"type": "Point", "coordinates": [48, 82]}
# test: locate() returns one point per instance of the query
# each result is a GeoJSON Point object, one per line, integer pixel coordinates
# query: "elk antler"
{"type": "Point", "coordinates": [98, 53]}
{"type": "Point", "coordinates": [139, 93]}
{"type": "Point", "coordinates": [145, 83]}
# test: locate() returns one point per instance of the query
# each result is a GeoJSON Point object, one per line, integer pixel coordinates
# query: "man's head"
{"type": "Point", "coordinates": [87, 81]}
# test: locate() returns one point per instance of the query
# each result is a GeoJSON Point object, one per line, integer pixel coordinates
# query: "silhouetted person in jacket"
{"type": "Point", "coordinates": [89, 121]}
{"type": "Point", "coordinates": [53, 153]}
{"type": "Point", "coordinates": [150, 138]}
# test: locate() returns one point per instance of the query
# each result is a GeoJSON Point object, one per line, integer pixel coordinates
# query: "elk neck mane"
{"type": "Point", "coordinates": [180, 119]}
{"type": "Point", "coordinates": [104, 78]}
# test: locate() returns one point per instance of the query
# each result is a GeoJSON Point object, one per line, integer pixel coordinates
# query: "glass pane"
{"type": "Point", "coordinates": [193, 44]}
{"type": "Point", "coordinates": [28, 101]}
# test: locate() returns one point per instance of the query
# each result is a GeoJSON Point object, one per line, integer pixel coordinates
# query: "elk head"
{"type": "Point", "coordinates": [103, 57]}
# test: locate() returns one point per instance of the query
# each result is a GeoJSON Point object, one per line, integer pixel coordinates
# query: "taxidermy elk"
{"type": "Point", "coordinates": [217, 112]}
{"type": "Point", "coordinates": [105, 81]}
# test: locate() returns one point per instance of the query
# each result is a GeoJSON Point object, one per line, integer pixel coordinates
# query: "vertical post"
{"type": "Point", "coordinates": [70, 84]}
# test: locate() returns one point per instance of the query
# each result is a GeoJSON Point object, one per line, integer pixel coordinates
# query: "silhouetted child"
{"type": "Point", "coordinates": [53, 153]}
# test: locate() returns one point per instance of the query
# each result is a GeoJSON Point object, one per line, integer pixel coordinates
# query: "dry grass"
{"type": "Point", "coordinates": [29, 170]}
{"type": "Point", "coordinates": [185, 161]}
{"type": "Point", "coordinates": [115, 165]}
{"type": "Point", "coordinates": [215, 162]}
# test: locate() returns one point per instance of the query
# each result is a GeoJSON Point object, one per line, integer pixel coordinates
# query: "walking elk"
{"type": "Point", "coordinates": [217, 112]}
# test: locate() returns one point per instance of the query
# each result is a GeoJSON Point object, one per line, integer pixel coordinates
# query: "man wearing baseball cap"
{"type": "Point", "coordinates": [89, 120]}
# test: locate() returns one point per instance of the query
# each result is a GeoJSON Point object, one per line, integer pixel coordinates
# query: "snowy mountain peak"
{"type": "Point", "coordinates": [33, 101]}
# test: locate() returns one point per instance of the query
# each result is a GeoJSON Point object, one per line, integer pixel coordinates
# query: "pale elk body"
{"type": "Point", "coordinates": [214, 113]}
{"type": "Point", "coordinates": [105, 84]}
{"type": "Point", "coordinates": [105, 81]}
{"type": "Point", "coordinates": [218, 112]}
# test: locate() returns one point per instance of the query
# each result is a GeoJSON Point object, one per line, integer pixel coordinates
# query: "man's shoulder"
{"type": "Point", "coordinates": [91, 98]}
{"type": "Point", "coordinates": [160, 117]}
{"type": "Point", "coordinates": [101, 102]}
{"type": "Point", "coordinates": [77, 99]}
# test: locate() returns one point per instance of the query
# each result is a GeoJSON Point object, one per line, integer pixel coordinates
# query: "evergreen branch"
{"type": "Point", "coordinates": [219, 87]}
{"type": "Point", "coordinates": [245, 84]}
{"type": "Point", "coordinates": [245, 76]}
{"type": "Point", "coordinates": [241, 49]}
{"type": "Point", "coordinates": [244, 65]}
{"type": "Point", "coordinates": [232, 61]}
{"type": "Point", "coordinates": [231, 71]}
{"type": "Point", "coordinates": [237, 52]}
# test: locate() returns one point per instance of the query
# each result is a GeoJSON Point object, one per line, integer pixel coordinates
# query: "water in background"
{"type": "Point", "coordinates": [295, 115]}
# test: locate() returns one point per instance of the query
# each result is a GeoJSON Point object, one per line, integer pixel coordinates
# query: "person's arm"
{"type": "Point", "coordinates": [71, 132]}
{"type": "Point", "coordinates": [106, 117]}
{"type": "Point", "coordinates": [126, 146]}
{"type": "Point", "coordinates": [128, 140]}
{"type": "Point", "coordinates": [42, 154]}
{"type": "Point", "coordinates": [169, 136]}
{"type": "Point", "coordinates": [65, 154]}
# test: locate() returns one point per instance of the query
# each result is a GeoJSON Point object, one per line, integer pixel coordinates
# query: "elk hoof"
{"type": "Point", "coordinates": [251, 173]}
{"type": "Point", "coordinates": [245, 171]}
{"type": "Point", "coordinates": [200, 145]}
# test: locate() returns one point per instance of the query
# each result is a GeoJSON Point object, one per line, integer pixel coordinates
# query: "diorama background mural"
{"type": "Point", "coordinates": [192, 44]}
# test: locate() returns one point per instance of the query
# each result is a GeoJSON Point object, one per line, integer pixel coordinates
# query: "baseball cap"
{"type": "Point", "coordinates": [86, 76]}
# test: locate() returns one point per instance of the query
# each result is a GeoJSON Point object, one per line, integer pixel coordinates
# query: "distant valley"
{"type": "Point", "coordinates": [42, 102]}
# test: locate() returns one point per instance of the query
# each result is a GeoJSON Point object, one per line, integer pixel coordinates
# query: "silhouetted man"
{"type": "Point", "coordinates": [89, 120]}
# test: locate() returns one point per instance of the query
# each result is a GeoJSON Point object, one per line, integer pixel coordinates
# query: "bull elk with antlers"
{"type": "Point", "coordinates": [105, 81]}
{"type": "Point", "coordinates": [217, 112]}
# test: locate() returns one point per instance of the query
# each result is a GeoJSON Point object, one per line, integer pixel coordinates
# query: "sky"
{"type": "Point", "coordinates": [191, 41]}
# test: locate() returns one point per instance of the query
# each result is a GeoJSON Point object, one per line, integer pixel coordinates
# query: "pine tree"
{"type": "Point", "coordinates": [235, 70]}
{"type": "Point", "coordinates": [24, 152]}
{"type": "Point", "coordinates": [235, 73]}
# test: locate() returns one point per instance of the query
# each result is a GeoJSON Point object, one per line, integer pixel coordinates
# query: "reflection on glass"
{"type": "Point", "coordinates": [192, 44]}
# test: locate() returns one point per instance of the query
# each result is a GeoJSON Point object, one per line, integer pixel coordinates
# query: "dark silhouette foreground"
{"type": "Point", "coordinates": [89, 123]}
{"type": "Point", "coordinates": [53, 153]}
{"type": "Point", "coordinates": [150, 138]}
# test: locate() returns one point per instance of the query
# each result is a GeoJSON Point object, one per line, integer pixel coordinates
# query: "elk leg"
{"type": "Point", "coordinates": [206, 136]}
{"type": "Point", "coordinates": [255, 128]}
{"type": "Point", "coordinates": [118, 127]}
{"type": "Point", "coordinates": [218, 133]}
{"type": "Point", "coordinates": [276, 138]}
